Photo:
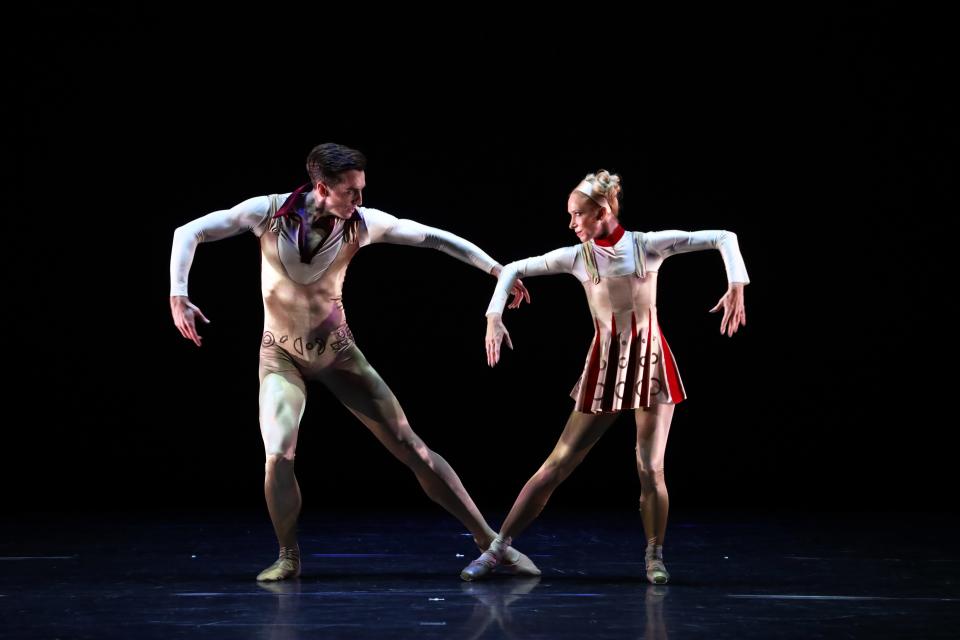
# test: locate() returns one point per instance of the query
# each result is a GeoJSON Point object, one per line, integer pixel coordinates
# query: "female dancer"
{"type": "Point", "coordinates": [629, 365]}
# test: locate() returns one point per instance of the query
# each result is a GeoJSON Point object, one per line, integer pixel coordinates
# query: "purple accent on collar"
{"type": "Point", "coordinates": [292, 206]}
{"type": "Point", "coordinates": [291, 203]}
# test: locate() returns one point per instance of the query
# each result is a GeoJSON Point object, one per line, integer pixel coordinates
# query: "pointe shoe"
{"type": "Point", "coordinates": [520, 565]}
{"type": "Point", "coordinates": [480, 567]}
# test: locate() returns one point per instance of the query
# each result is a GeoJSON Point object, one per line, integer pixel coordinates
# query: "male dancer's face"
{"type": "Point", "coordinates": [342, 199]}
{"type": "Point", "coordinates": [586, 216]}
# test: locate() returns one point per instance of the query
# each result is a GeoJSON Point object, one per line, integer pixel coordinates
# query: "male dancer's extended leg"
{"type": "Point", "coordinates": [367, 396]}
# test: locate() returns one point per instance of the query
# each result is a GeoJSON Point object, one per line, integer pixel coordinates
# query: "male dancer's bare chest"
{"type": "Point", "coordinates": [315, 233]}
{"type": "Point", "coordinates": [302, 299]}
{"type": "Point", "coordinates": [314, 239]}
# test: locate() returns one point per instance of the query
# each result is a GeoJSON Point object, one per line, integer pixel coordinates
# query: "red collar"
{"type": "Point", "coordinates": [611, 239]}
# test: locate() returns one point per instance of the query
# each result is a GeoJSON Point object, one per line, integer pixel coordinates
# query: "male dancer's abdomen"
{"type": "Point", "coordinates": [306, 321]}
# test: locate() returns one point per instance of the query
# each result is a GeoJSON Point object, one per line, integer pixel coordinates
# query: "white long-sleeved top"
{"type": "Point", "coordinates": [619, 259]}
{"type": "Point", "coordinates": [256, 215]}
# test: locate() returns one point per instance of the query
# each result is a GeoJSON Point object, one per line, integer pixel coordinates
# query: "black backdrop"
{"type": "Point", "coordinates": [825, 141]}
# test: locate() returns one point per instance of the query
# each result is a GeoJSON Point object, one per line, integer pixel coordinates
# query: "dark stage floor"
{"type": "Point", "coordinates": [393, 575]}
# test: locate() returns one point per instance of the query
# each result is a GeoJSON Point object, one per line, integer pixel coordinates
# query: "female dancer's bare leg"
{"type": "Point", "coordinates": [653, 427]}
{"type": "Point", "coordinates": [582, 431]}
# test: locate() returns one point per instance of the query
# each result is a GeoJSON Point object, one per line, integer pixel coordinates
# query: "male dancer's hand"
{"type": "Point", "coordinates": [185, 315]}
{"type": "Point", "coordinates": [734, 312]}
{"type": "Point", "coordinates": [520, 293]}
{"type": "Point", "coordinates": [496, 332]}
{"type": "Point", "coordinates": [519, 290]}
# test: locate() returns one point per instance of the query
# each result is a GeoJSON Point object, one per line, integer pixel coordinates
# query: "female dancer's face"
{"type": "Point", "coordinates": [586, 216]}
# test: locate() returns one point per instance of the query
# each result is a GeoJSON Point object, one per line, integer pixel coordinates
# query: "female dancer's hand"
{"type": "Point", "coordinates": [734, 313]}
{"type": "Point", "coordinates": [496, 332]}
